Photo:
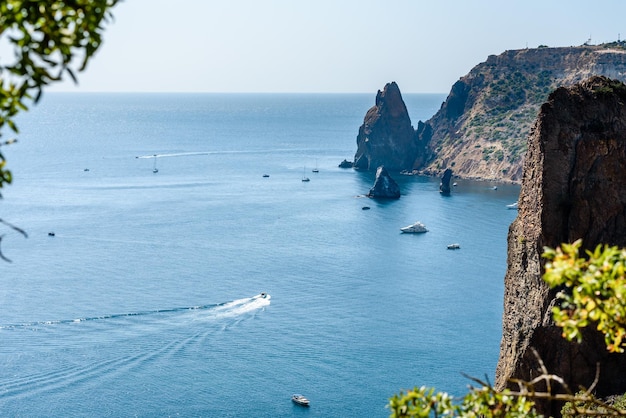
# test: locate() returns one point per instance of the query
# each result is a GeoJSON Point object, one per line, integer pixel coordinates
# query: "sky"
{"type": "Point", "coordinates": [327, 46]}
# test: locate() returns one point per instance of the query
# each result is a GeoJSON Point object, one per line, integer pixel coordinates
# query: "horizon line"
{"type": "Point", "coordinates": [219, 92]}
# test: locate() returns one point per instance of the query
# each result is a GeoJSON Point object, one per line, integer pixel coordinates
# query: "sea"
{"type": "Point", "coordinates": [176, 265]}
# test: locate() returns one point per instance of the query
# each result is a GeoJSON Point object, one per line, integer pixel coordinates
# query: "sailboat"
{"type": "Point", "coordinates": [304, 178]}
{"type": "Point", "coordinates": [315, 170]}
{"type": "Point", "coordinates": [155, 169]}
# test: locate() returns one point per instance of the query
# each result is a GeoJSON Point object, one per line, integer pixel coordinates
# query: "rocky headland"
{"type": "Point", "coordinates": [573, 186]}
{"type": "Point", "coordinates": [480, 130]}
{"type": "Point", "coordinates": [554, 120]}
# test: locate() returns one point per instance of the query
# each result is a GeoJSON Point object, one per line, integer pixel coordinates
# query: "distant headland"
{"type": "Point", "coordinates": [481, 129]}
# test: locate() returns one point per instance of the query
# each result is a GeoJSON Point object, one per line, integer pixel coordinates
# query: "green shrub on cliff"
{"type": "Point", "coordinates": [595, 291]}
{"type": "Point", "coordinates": [479, 402]}
{"type": "Point", "coordinates": [581, 409]}
{"type": "Point", "coordinates": [594, 294]}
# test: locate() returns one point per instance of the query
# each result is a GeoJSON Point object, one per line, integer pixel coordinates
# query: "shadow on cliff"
{"type": "Point", "coordinates": [574, 187]}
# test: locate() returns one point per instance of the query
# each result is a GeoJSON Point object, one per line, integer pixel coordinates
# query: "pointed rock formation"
{"type": "Point", "coordinates": [384, 186]}
{"type": "Point", "coordinates": [386, 136]}
{"type": "Point", "coordinates": [444, 186]}
{"type": "Point", "coordinates": [574, 186]}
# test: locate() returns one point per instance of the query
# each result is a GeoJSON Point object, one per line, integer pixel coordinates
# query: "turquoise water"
{"type": "Point", "coordinates": [146, 301]}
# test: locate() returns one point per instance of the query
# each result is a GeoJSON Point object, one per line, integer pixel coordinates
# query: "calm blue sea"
{"type": "Point", "coordinates": [145, 302]}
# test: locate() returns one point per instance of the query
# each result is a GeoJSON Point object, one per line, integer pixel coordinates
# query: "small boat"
{"type": "Point", "coordinates": [300, 399]}
{"type": "Point", "coordinates": [155, 169]}
{"type": "Point", "coordinates": [512, 206]}
{"type": "Point", "coordinates": [415, 228]}
{"type": "Point", "coordinates": [266, 175]}
{"type": "Point", "coordinates": [365, 208]}
{"type": "Point", "coordinates": [454, 247]}
{"type": "Point", "coordinates": [304, 178]}
{"type": "Point", "coordinates": [263, 295]}
{"type": "Point", "coordinates": [315, 170]}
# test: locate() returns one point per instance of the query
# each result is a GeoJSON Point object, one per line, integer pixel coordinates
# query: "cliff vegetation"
{"type": "Point", "coordinates": [481, 129]}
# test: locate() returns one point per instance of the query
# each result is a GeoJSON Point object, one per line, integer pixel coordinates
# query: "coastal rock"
{"type": "Point", "coordinates": [384, 186]}
{"type": "Point", "coordinates": [386, 136]}
{"type": "Point", "coordinates": [444, 186]}
{"type": "Point", "coordinates": [574, 186]}
{"type": "Point", "coordinates": [345, 164]}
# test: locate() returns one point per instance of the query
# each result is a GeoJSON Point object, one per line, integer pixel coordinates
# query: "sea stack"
{"type": "Point", "coordinates": [444, 186]}
{"type": "Point", "coordinates": [386, 136]}
{"type": "Point", "coordinates": [384, 186]}
{"type": "Point", "coordinates": [345, 164]}
{"type": "Point", "coordinates": [573, 187]}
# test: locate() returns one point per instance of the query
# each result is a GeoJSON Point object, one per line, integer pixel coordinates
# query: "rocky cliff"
{"type": "Point", "coordinates": [574, 186]}
{"type": "Point", "coordinates": [480, 130]}
{"type": "Point", "coordinates": [384, 187]}
{"type": "Point", "coordinates": [386, 136]}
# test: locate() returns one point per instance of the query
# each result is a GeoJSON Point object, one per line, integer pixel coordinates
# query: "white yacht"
{"type": "Point", "coordinates": [415, 228]}
{"type": "Point", "coordinates": [300, 400]}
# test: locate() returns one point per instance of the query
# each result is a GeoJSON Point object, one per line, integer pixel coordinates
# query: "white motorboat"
{"type": "Point", "coordinates": [300, 400]}
{"type": "Point", "coordinates": [512, 206]}
{"type": "Point", "coordinates": [454, 247]}
{"type": "Point", "coordinates": [415, 228]}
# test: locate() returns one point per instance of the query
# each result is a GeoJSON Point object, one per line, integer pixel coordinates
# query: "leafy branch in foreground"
{"type": "Point", "coordinates": [486, 402]}
{"type": "Point", "coordinates": [594, 292]}
{"type": "Point", "coordinates": [46, 37]}
{"type": "Point", "coordinates": [15, 228]}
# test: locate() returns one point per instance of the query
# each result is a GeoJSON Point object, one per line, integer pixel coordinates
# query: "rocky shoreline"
{"type": "Point", "coordinates": [481, 130]}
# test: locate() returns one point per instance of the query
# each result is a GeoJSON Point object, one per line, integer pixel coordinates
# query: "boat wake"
{"type": "Point", "coordinates": [176, 154]}
{"type": "Point", "coordinates": [241, 306]}
{"type": "Point", "coordinates": [222, 152]}
{"type": "Point", "coordinates": [214, 311]}
{"type": "Point", "coordinates": [46, 357]}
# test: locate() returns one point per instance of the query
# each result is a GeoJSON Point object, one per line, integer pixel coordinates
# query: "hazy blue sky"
{"type": "Point", "coordinates": [328, 45]}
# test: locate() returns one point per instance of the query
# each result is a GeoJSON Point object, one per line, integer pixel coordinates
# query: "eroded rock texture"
{"type": "Point", "coordinates": [384, 187]}
{"type": "Point", "coordinates": [574, 186]}
{"type": "Point", "coordinates": [444, 186]}
{"type": "Point", "coordinates": [386, 136]}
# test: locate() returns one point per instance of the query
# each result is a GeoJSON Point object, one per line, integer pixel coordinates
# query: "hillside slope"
{"type": "Point", "coordinates": [480, 131]}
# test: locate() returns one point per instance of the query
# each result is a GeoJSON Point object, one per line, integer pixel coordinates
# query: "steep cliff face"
{"type": "Point", "coordinates": [481, 129]}
{"type": "Point", "coordinates": [574, 186]}
{"type": "Point", "coordinates": [386, 136]}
